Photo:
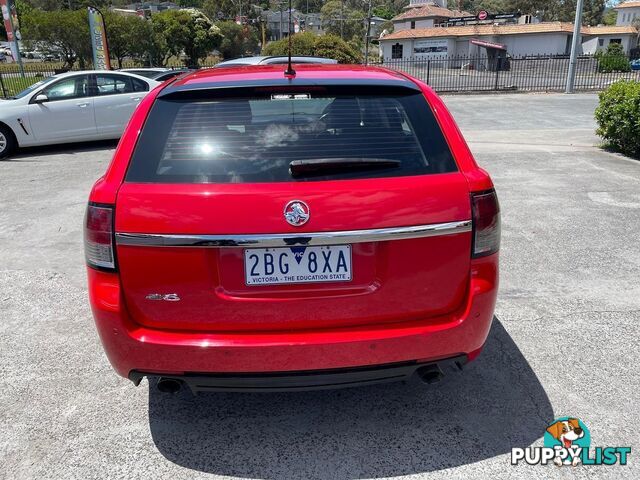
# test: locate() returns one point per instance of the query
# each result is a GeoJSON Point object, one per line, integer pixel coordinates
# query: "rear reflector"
{"type": "Point", "coordinates": [98, 237]}
{"type": "Point", "coordinates": [486, 223]}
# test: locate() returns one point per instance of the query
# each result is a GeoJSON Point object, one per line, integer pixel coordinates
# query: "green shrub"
{"type": "Point", "coordinates": [308, 44]}
{"type": "Point", "coordinates": [618, 117]}
{"type": "Point", "coordinates": [301, 44]}
{"type": "Point", "coordinates": [331, 46]}
{"type": "Point", "coordinates": [613, 60]}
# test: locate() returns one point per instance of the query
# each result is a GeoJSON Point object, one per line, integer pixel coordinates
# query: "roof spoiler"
{"type": "Point", "coordinates": [223, 88]}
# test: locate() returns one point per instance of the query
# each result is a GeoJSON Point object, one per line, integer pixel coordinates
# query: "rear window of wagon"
{"type": "Point", "coordinates": [254, 136]}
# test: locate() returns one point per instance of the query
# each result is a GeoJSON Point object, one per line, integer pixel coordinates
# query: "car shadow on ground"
{"type": "Point", "coordinates": [28, 154]}
{"type": "Point", "coordinates": [379, 431]}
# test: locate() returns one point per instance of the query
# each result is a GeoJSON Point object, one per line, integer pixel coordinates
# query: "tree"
{"type": "Point", "coordinates": [129, 36]}
{"type": "Point", "coordinates": [189, 3]}
{"type": "Point", "coordinates": [50, 5]}
{"type": "Point", "coordinates": [384, 11]}
{"type": "Point", "coordinates": [307, 5]}
{"type": "Point", "coordinates": [217, 9]}
{"type": "Point", "coordinates": [547, 10]}
{"type": "Point", "coordinates": [636, 23]}
{"type": "Point", "coordinates": [565, 11]}
{"type": "Point", "coordinates": [67, 31]}
{"type": "Point", "coordinates": [308, 44]}
{"type": "Point", "coordinates": [238, 40]}
{"type": "Point", "coordinates": [338, 18]}
{"type": "Point", "coordinates": [187, 31]}
{"type": "Point", "coordinates": [610, 17]}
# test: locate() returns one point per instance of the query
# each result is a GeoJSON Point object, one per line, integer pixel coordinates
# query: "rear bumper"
{"type": "Point", "coordinates": [311, 380]}
{"type": "Point", "coordinates": [133, 348]}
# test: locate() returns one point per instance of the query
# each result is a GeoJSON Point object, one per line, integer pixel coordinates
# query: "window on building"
{"type": "Point", "coordinates": [601, 42]}
{"type": "Point", "coordinates": [396, 51]}
{"type": "Point", "coordinates": [615, 40]}
{"type": "Point", "coordinates": [413, 25]}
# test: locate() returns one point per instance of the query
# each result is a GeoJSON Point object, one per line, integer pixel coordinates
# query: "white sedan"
{"type": "Point", "coordinates": [71, 107]}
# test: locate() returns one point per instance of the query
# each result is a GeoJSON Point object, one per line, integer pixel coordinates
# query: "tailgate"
{"type": "Point", "coordinates": [391, 279]}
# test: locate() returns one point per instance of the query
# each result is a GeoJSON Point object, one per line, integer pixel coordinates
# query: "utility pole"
{"type": "Point", "coordinates": [575, 43]}
{"type": "Point", "coordinates": [280, 36]}
{"type": "Point", "coordinates": [366, 36]}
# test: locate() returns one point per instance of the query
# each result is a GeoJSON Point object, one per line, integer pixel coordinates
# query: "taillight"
{"type": "Point", "coordinates": [486, 223]}
{"type": "Point", "coordinates": [98, 237]}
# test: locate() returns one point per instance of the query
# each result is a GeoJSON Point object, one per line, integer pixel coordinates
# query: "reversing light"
{"type": "Point", "coordinates": [98, 237]}
{"type": "Point", "coordinates": [486, 223]}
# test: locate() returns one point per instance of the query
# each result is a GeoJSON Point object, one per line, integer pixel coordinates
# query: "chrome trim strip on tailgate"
{"type": "Point", "coordinates": [289, 239]}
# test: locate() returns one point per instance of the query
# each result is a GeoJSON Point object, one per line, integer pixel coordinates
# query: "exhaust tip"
{"type": "Point", "coordinates": [430, 374]}
{"type": "Point", "coordinates": [169, 385]}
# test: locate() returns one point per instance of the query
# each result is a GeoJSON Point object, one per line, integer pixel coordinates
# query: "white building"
{"type": "Point", "coordinates": [547, 38]}
{"type": "Point", "coordinates": [627, 13]}
{"type": "Point", "coordinates": [599, 38]}
{"type": "Point", "coordinates": [425, 14]}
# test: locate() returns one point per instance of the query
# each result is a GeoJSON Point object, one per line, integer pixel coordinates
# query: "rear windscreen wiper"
{"type": "Point", "coordinates": [327, 166]}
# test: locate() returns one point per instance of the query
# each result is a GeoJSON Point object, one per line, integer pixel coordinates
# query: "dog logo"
{"type": "Point", "coordinates": [296, 213]}
{"type": "Point", "coordinates": [567, 441]}
{"type": "Point", "coordinates": [569, 434]}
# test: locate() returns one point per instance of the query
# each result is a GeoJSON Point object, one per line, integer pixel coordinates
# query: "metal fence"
{"type": "Point", "coordinates": [446, 74]}
{"type": "Point", "coordinates": [530, 73]}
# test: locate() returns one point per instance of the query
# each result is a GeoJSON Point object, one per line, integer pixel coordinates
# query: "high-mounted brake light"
{"type": "Point", "coordinates": [486, 223]}
{"type": "Point", "coordinates": [98, 237]}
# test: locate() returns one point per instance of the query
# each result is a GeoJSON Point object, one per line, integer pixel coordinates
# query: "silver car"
{"type": "Point", "coordinates": [272, 60]}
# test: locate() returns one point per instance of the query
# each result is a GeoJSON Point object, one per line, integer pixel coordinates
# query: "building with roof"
{"type": "Point", "coordinates": [547, 38]}
{"type": "Point", "coordinates": [628, 12]}
{"type": "Point", "coordinates": [278, 23]}
{"type": "Point", "coordinates": [599, 38]}
{"type": "Point", "coordinates": [425, 14]}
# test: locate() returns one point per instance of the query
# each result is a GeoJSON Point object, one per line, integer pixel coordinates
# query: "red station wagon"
{"type": "Point", "coordinates": [260, 230]}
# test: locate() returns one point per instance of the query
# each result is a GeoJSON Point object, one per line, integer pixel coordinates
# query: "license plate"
{"type": "Point", "coordinates": [273, 266]}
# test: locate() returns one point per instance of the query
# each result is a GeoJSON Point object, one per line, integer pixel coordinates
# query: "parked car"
{"type": "Point", "coordinates": [273, 60]}
{"type": "Point", "coordinates": [168, 75]}
{"type": "Point", "coordinates": [262, 231]}
{"type": "Point", "coordinates": [635, 64]}
{"type": "Point", "coordinates": [71, 107]}
{"type": "Point", "coordinates": [149, 72]}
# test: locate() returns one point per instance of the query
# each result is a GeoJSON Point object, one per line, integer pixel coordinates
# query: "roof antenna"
{"type": "Point", "coordinates": [289, 72]}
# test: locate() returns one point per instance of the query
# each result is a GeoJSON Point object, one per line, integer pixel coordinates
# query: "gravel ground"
{"type": "Point", "coordinates": [563, 342]}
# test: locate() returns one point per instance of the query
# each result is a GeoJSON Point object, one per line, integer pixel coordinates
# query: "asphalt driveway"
{"type": "Point", "coordinates": [564, 340]}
